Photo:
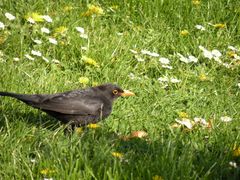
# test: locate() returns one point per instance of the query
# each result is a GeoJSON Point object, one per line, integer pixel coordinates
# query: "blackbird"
{"type": "Point", "coordinates": [76, 107]}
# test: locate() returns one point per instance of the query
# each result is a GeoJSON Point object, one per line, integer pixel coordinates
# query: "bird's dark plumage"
{"type": "Point", "coordinates": [77, 107]}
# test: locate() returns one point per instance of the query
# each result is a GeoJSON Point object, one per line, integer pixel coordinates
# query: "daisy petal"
{"type": "Point", "coordinates": [47, 18]}
{"type": "Point", "coordinates": [10, 16]}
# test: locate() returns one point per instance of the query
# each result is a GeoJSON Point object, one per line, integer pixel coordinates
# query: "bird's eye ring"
{"type": "Point", "coordinates": [115, 92]}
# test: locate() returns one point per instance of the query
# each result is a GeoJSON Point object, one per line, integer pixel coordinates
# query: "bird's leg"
{"type": "Point", "coordinates": [101, 112]}
{"type": "Point", "coordinates": [68, 129]}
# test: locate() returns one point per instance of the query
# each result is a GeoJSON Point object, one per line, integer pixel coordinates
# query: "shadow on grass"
{"type": "Point", "coordinates": [171, 158]}
{"type": "Point", "coordinates": [32, 118]}
{"type": "Point", "coordinates": [176, 156]}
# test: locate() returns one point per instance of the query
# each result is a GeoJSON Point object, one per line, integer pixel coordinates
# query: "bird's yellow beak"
{"type": "Point", "coordinates": [126, 93]}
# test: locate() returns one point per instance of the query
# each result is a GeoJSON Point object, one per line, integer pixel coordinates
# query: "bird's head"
{"type": "Point", "coordinates": [114, 91]}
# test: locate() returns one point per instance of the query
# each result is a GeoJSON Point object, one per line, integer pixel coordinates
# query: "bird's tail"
{"type": "Point", "coordinates": [29, 99]}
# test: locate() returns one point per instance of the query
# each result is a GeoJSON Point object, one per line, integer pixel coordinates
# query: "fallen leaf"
{"type": "Point", "coordinates": [138, 134]}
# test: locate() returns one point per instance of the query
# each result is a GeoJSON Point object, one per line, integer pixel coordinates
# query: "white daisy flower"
{"type": "Point", "coordinates": [47, 178]}
{"type": "Point", "coordinates": [119, 34]}
{"type": "Point", "coordinates": [200, 27]}
{"type": "Point", "coordinates": [164, 60]}
{"type": "Point", "coordinates": [146, 52]}
{"type": "Point", "coordinates": [182, 58]}
{"type": "Point", "coordinates": [2, 26]}
{"type": "Point", "coordinates": [236, 57]}
{"type": "Point", "coordinates": [188, 59]}
{"type": "Point", "coordinates": [192, 59]}
{"type": "Point", "coordinates": [216, 53]}
{"type": "Point", "coordinates": [16, 59]}
{"type": "Point", "coordinates": [233, 164]}
{"type": "Point", "coordinates": [80, 29]}
{"type": "Point", "coordinates": [153, 54]}
{"type": "Point", "coordinates": [163, 79]}
{"type": "Point", "coordinates": [82, 32]}
{"type": "Point", "coordinates": [84, 36]}
{"type": "Point", "coordinates": [53, 41]}
{"type": "Point", "coordinates": [33, 160]}
{"type": "Point", "coordinates": [207, 54]}
{"type": "Point", "coordinates": [225, 119]}
{"type": "Point", "coordinates": [10, 16]}
{"type": "Point", "coordinates": [232, 48]}
{"type": "Point", "coordinates": [31, 20]}
{"type": "Point", "coordinates": [238, 84]}
{"type": "Point", "coordinates": [174, 80]}
{"type": "Point", "coordinates": [84, 48]}
{"type": "Point", "coordinates": [202, 48]}
{"type": "Point", "coordinates": [218, 60]}
{"type": "Point", "coordinates": [29, 57]}
{"type": "Point", "coordinates": [45, 59]}
{"type": "Point", "coordinates": [167, 66]}
{"type": "Point", "coordinates": [132, 76]}
{"type": "Point", "coordinates": [45, 30]}
{"type": "Point", "coordinates": [133, 51]}
{"type": "Point", "coordinates": [226, 65]}
{"type": "Point", "coordinates": [200, 121]}
{"type": "Point", "coordinates": [47, 18]}
{"type": "Point", "coordinates": [56, 61]}
{"type": "Point", "coordinates": [139, 59]}
{"type": "Point", "coordinates": [36, 53]}
{"type": "Point", "coordinates": [37, 41]}
{"type": "Point", "coordinates": [185, 122]}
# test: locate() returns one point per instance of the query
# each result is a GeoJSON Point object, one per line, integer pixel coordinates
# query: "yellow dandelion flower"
{"type": "Point", "coordinates": [114, 7]}
{"type": "Point", "coordinates": [184, 32]}
{"type": "Point", "coordinates": [28, 138]}
{"type": "Point", "coordinates": [117, 154]}
{"type": "Point", "coordinates": [93, 126]}
{"type": "Point", "coordinates": [84, 80]}
{"type": "Point", "coordinates": [67, 8]}
{"type": "Point", "coordinates": [47, 171]}
{"type": "Point", "coordinates": [236, 151]}
{"type": "Point", "coordinates": [90, 61]}
{"type": "Point", "coordinates": [62, 43]}
{"type": "Point", "coordinates": [94, 83]}
{"type": "Point", "coordinates": [175, 125]}
{"type": "Point", "coordinates": [231, 54]}
{"type": "Point", "coordinates": [219, 26]}
{"type": "Point", "coordinates": [34, 129]}
{"type": "Point", "coordinates": [79, 130]}
{"type": "Point", "coordinates": [183, 115]}
{"type": "Point", "coordinates": [135, 28]}
{"type": "Point", "coordinates": [35, 16]}
{"type": "Point", "coordinates": [196, 2]}
{"type": "Point", "coordinates": [4, 36]}
{"type": "Point", "coordinates": [2, 39]}
{"type": "Point", "coordinates": [93, 10]}
{"type": "Point", "coordinates": [202, 77]}
{"type": "Point", "coordinates": [62, 30]}
{"type": "Point", "coordinates": [157, 177]}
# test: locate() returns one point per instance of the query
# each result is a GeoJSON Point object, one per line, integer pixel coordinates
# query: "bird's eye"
{"type": "Point", "coordinates": [115, 92]}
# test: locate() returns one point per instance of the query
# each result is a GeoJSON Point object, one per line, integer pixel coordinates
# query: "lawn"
{"type": "Point", "coordinates": [181, 58]}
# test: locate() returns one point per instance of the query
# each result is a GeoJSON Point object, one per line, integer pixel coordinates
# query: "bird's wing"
{"type": "Point", "coordinates": [71, 103]}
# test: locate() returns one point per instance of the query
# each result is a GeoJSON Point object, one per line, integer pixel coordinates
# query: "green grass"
{"type": "Point", "coordinates": [31, 141]}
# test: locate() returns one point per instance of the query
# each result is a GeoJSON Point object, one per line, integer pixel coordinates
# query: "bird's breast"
{"type": "Point", "coordinates": [106, 109]}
